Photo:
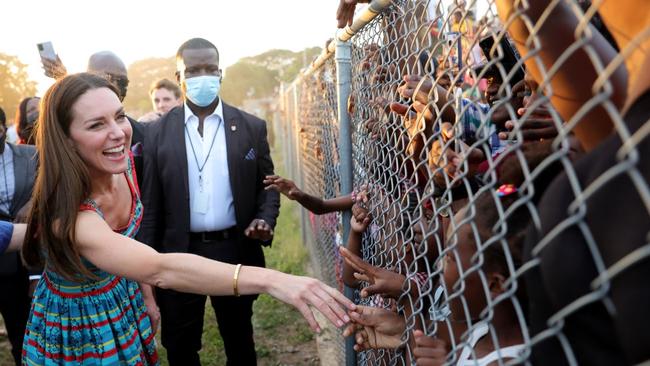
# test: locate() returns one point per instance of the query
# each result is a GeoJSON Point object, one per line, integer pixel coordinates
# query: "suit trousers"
{"type": "Point", "coordinates": [14, 306]}
{"type": "Point", "coordinates": [182, 315]}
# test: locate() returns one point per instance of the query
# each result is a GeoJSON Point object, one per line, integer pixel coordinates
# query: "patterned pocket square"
{"type": "Point", "coordinates": [250, 155]}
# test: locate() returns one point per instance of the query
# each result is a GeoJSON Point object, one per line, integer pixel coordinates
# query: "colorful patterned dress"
{"type": "Point", "coordinates": [94, 322]}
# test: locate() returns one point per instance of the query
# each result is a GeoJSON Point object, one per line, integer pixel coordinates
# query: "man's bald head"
{"type": "Point", "coordinates": [107, 65]}
{"type": "Point", "coordinates": [106, 62]}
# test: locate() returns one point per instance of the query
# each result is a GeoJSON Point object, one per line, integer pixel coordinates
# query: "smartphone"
{"type": "Point", "coordinates": [46, 50]}
{"type": "Point", "coordinates": [510, 56]}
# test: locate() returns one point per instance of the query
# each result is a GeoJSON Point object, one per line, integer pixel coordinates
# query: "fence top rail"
{"type": "Point", "coordinates": [360, 20]}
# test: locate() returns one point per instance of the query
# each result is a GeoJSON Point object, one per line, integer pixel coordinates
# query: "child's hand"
{"type": "Point", "coordinates": [359, 226]}
{"type": "Point", "coordinates": [429, 351]}
{"type": "Point", "coordinates": [382, 281]}
{"type": "Point", "coordinates": [285, 186]}
{"type": "Point", "coordinates": [375, 328]}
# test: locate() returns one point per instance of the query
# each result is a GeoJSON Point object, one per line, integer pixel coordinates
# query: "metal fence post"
{"type": "Point", "coordinates": [343, 58]}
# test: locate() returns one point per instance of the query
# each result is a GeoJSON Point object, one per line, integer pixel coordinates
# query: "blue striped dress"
{"type": "Point", "coordinates": [91, 322]}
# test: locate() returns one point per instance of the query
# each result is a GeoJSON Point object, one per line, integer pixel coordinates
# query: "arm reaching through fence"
{"type": "Point", "coordinates": [375, 328]}
{"type": "Point", "coordinates": [381, 281]}
{"type": "Point", "coordinates": [570, 86]}
{"type": "Point", "coordinates": [314, 204]}
{"type": "Point", "coordinates": [429, 351]}
{"type": "Point", "coordinates": [445, 161]}
{"type": "Point", "coordinates": [358, 224]}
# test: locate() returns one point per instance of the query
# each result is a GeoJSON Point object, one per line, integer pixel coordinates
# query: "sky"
{"type": "Point", "coordinates": [138, 29]}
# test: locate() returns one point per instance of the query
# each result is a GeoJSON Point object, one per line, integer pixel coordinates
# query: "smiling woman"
{"type": "Point", "coordinates": [100, 139]}
{"type": "Point", "coordinates": [88, 307]}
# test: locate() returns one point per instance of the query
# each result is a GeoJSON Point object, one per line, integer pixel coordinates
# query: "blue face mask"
{"type": "Point", "coordinates": [202, 90]}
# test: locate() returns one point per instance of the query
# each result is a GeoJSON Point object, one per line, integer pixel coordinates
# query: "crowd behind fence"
{"type": "Point", "coordinates": [465, 171]}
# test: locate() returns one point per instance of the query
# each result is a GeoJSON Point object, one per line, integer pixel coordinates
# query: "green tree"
{"type": "Point", "coordinates": [250, 77]}
{"type": "Point", "coordinates": [142, 74]}
{"type": "Point", "coordinates": [247, 80]}
{"type": "Point", "coordinates": [260, 76]}
{"type": "Point", "coordinates": [15, 83]}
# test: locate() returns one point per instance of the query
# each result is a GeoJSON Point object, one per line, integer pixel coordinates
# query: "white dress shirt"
{"type": "Point", "coordinates": [211, 202]}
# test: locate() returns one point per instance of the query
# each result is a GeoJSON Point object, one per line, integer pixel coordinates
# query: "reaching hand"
{"type": "Point", "coordinates": [417, 88]}
{"type": "Point", "coordinates": [360, 214]}
{"type": "Point", "coordinates": [375, 328]}
{"type": "Point", "coordinates": [54, 68]}
{"type": "Point", "coordinates": [382, 281]}
{"type": "Point", "coordinates": [285, 186]}
{"type": "Point", "coordinates": [345, 12]}
{"type": "Point", "coordinates": [303, 292]}
{"type": "Point", "coordinates": [538, 126]}
{"type": "Point", "coordinates": [442, 155]}
{"type": "Point", "coordinates": [259, 230]}
{"type": "Point", "coordinates": [359, 226]}
{"type": "Point", "coordinates": [419, 127]}
{"type": "Point", "coordinates": [429, 351]}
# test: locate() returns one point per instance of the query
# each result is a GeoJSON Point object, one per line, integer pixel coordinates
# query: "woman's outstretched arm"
{"type": "Point", "coordinates": [123, 256]}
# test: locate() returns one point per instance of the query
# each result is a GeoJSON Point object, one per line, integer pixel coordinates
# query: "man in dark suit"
{"type": "Point", "coordinates": [16, 183]}
{"type": "Point", "coordinates": [203, 194]}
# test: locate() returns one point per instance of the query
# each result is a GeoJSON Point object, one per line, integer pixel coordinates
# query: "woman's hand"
{"type": "Point", "coordinates": [303, 292]}
{"type": "Point", "coordinates": [375, 328]}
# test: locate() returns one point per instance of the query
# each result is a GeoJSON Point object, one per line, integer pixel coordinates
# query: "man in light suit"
{"type": "Point", "coordinates": [18, 170]}
{"type": "Point", "coordinates": [205, 162]}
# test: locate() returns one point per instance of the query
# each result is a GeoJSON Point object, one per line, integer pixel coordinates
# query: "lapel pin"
{"type": "Point", "coordinates": [233, 128]}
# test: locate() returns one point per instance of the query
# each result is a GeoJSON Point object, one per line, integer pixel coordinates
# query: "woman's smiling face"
{"type": "Point", "coordinates": [100, 131]}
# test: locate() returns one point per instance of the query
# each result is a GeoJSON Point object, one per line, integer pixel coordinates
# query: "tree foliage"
{"type": "Point", "coordinates": [260, 76]}
{"type": "Point", "coordinates": [250, 77]}
{"type": "Point", "coordinates": [15, 83]}
{"type": "Point", "coordinates": [142, 74]}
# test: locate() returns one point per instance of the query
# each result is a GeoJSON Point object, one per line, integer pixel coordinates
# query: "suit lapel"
{"type": "Point", "coordinates": [20, 173]}
{"type": "Point", "coordinates": [231, 129]}
{"type": "Point", "coordinates": [179, 149]}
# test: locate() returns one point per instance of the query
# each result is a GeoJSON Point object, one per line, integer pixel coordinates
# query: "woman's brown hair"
{"type": "Point", "coordinates": [62, 182]}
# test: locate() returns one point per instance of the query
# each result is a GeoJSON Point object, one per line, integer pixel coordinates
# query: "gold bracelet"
{"type": "Point", "coordinates": [235, 279]}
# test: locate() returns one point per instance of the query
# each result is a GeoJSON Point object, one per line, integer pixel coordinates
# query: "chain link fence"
{"type": "Point", "coordinates": [489, 155]}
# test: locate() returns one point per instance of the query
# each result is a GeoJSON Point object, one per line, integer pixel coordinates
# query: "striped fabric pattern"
{"type": "Point", "coordinates": [91, 322]}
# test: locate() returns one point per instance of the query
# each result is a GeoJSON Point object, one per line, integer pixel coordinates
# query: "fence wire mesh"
{"type": "Point", "coordinates": [490, 158]}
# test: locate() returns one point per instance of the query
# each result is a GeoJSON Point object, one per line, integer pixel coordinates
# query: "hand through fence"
{"type": "Point", "coordinates": [381, 281]}
{"type": "Point", "coordinates": [374, 328]}
{"type": "Point", "coordinates": [444, 160]}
